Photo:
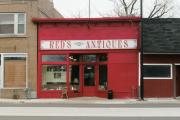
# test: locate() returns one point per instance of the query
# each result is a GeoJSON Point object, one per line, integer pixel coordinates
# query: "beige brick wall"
{"type": "Point", "coordinates": [26, 43]}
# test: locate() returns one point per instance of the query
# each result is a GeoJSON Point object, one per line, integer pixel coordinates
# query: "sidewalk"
{"type": "Point", "coordinates": [93, 100]}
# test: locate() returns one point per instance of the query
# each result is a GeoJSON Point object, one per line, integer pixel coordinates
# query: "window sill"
{"type": "Point", "coordinates": [13, 36]}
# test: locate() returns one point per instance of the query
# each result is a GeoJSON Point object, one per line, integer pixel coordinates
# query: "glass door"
{"type": "Point", "coordinates": [89, 78]}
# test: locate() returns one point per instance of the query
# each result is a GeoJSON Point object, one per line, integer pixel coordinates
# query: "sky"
{"type": "Point", "coordinates": [99, 8]}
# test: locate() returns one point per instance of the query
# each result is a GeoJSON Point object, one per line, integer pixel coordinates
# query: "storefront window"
{"type": "Point", "coordinates": [89, 58]}
{"type": "Point", "coordinates": [103, 57]}
{"type": "Point", "coordinates": [102, 77]}
{"type": "Point", "coordinates": [74, 77]}
{"type": "Point", "coordinates": [53, 77]}
{"type": "Point", "coordinates": [74, 58]}
{"type": "Point", "coordinates": [53, 58]}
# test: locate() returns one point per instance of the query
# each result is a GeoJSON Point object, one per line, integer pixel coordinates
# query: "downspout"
{"type": "Point", "coordinates": [141, 96]}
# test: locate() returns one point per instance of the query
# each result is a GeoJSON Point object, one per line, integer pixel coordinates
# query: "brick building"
{"type": "Point", "coordinates": [18, 44]}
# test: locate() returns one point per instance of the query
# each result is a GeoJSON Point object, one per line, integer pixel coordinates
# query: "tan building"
{"type": "Point", "coordinates": [18, 45]}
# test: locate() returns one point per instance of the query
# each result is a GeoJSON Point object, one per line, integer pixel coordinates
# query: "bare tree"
{"type": "Point", "coordinates": [160, 9]}
{"type": "Point", "coordinates": [130, 8]}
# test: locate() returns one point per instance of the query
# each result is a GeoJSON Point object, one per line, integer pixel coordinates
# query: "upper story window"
{"type": "Point", "coordinates": [12, 23]}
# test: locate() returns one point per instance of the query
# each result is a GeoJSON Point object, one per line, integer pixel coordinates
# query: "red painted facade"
{"type": "Point", "coordinates": [162, 87]}
{"type": "Point", "coordinates": [122, 64]}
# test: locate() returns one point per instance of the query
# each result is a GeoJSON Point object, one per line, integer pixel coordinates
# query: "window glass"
{"type": "Point", "coordinates": [14, 58]}
{"type": "Point", "coordinates": [21, 19]}
{"type": "Point", "coordinates": [103, 77]}
{"type": "Point", "coordinates": [21, 23]}
{"type": "Point", "coordinates": [21, 28]}
{"type": "Point", "coordinates": [6, 18]}
{"type": "Point", "coordinates": [103, 57]}
{"type": "Point", "coordinates": [89, 58]}
{"type": "Point", "coordinates": [7, 23]}
{"type": "Point", "coordinates": [53, 77]}
{"type": "Point", "coordinates": [74, 58]}
{"type": "Point", "coordinates": [7, 29]}
{"type": "Point", "coordinates": [157, 71]}
{"type": "Point", "coordinates": [74, 77]}
{"type": "Point", "coordinates": [53, 58]}
{"type": "Point", "coordinates": [89, 75]}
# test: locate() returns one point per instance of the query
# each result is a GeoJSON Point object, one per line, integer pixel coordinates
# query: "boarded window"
{"type": "Point", "coordinates": [14, 73]}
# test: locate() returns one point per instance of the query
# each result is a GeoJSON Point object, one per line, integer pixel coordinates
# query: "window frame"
{"type": "Point", "coordinates": [159, 64]}
{"type": "Point", "coordinates": [3, 55]}
{"type": "Point", "coordinates": [16, 24]}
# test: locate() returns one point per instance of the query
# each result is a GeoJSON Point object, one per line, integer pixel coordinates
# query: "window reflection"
{"type": "Point", "coordinates": [89, 78]}
{"type": "Point", "coordinates": [89, 58]}
{"type": "Point", "coordinates": [53, 77]}
{"type": "Point", "coordinates": [74, 58]}
{"type": "Point", "coordinates": [53, 58]}
{"type": "Point", "coordinates": [74, 77]}
{"type": "Point", "coordinates": [102, 77]}
{"type": "Point", "coordinates": [103, 57]}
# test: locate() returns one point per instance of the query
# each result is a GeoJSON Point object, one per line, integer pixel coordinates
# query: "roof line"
{"type": "Point", "coordinates": [84, 20]}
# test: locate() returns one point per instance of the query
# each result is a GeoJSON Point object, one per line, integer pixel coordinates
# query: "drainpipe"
{"type": "Point", "coordinates": [141, 96]}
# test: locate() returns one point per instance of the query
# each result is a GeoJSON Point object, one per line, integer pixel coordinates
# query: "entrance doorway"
{"type": "Point", "coordinates": [89, 80]}
{"type": "Point", "coordinates": [91, 71]}
{"type": "Point", "coordinates": [177, 80]}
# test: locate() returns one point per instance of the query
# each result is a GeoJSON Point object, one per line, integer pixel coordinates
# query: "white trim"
{"type": "Point", "coordinates": [16, 24]}
{"type": "Point", "coordinates": [171, 71]}
{"type": "Point", "coordinates": [2, 65]}
{"type": "Point", "coordinates": [1, 75]}
{"type": "Point", "coordinates": [3, 55]}
{"type": "Point", "coordinates": [177, 64]}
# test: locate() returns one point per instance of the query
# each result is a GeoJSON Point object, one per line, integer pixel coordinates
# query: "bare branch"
{"type": "Point", "coordinates": [159, 9]}
{"type": "Point", "coordinates": [132, 6]}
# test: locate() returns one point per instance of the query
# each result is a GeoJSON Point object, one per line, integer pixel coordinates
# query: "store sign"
{"type": "Point", "coordinates": [88, 44]}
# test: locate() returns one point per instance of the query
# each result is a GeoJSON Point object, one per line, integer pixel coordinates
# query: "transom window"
{"type": "Point", "coordinates": [157, 71]}
{"type": "Point", "coordinates": [12, 23]}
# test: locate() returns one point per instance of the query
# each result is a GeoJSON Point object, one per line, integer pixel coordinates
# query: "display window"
{"type": "Point", "coordinates": [83, 74]}
{"type": "Point", "coordinates": [54, 77]}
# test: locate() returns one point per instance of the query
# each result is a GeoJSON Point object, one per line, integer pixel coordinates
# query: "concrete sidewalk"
{"type": "Point", "coordinates": [93, 100]}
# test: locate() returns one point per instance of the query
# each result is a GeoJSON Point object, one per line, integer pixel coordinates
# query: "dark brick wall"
{"type": "Point", "coordinates": [161, 35]}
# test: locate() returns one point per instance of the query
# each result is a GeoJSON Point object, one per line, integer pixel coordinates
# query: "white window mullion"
{"type": "Point", "coordinates": [2, 72]}
{"type": "Point", "coordinates": [16, 24]}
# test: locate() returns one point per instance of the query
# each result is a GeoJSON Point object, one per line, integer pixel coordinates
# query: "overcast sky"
{"type": "Point", "coordinates": [71, 8]}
